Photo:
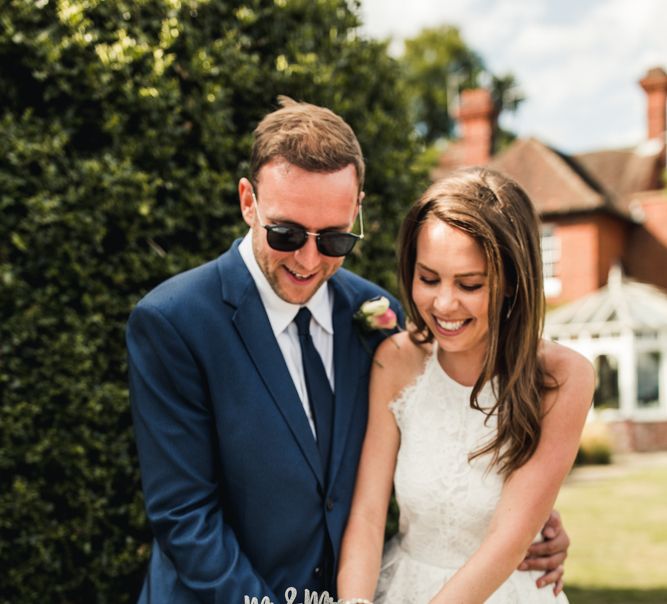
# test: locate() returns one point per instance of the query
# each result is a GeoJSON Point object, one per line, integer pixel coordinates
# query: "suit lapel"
{"type": "Point", "coordinates": [255, 330]}
{"type": "Point", "coordinates": [347, 367]}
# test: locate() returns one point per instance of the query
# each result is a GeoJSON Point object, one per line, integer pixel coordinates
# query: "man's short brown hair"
{"type": "Point", "coordinates": [310, 137]}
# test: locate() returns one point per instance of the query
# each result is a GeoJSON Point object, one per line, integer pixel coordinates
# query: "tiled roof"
{"type": "Point", "coordinates": [560, 184]}
{"type": "Point", "coordinates": [625, 171]}
{"type": "Point", "coordinates": [555, 182]}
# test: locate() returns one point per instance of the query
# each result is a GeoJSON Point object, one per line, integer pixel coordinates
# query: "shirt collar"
{"type": "Point", "coordinates": [280, 312]}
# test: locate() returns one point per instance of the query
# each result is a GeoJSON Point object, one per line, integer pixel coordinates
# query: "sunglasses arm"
{"type": "Point", "coordinates": [361, 221]}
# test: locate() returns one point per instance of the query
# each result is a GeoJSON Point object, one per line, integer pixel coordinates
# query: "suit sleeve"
{"type": "Point", "coordinates": [176, 441]}
{"type": "Point", "coordinates": [400, 314]}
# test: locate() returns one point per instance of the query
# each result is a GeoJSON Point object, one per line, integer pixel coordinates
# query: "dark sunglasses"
{"type": "Point", "coordinates": [285, 238]}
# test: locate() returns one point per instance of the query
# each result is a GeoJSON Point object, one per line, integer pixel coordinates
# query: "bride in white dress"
{"type": "Point", "coordinates": [473, 419]}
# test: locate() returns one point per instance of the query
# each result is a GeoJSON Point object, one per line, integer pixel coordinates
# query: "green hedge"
{"type": "Point", "coordinates": [124, 128]}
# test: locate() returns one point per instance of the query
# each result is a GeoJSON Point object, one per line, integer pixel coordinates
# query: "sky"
{"type": "Point", "coordinates": [577, 62]}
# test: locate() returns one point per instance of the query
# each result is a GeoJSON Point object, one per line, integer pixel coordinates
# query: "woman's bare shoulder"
{"type": "Point", "coordinates": [398, 361]}
{"type": "Point", "coordinates": [565, 366]}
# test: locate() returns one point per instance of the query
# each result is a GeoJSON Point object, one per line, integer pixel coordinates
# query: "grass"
{"type": "Point", "coordinates": [617, 519]}
{"type": "Point", "coordinates": [592, 595]}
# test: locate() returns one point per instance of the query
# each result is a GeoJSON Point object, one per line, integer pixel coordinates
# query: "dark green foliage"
{"type": "Point", "coordinates": [124, 128]}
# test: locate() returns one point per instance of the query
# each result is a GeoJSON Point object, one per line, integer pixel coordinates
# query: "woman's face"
{"type": "Point", "coordinates": [451, 289]}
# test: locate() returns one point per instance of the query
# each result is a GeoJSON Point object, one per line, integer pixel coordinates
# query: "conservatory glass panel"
{"type": "Point", "coordinates": [648, 386]}
{"type": "Point", "coordinates": [606, 391]}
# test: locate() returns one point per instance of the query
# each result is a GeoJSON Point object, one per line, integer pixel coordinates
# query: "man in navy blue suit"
{"type": "Point", "coordinates": [250, 411]}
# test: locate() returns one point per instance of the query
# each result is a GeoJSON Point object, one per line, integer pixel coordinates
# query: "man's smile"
{"type": "Point", "coordinates": [299, 276]}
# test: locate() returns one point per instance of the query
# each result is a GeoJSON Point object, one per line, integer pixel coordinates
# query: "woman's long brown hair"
{"type": "Point", "coordinates": [498, 214]}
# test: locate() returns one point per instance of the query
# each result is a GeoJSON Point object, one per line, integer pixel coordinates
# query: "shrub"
{"type": "Point", "coordinates": [124, 127]}
{"type": "Point", "coordinates": [596, 445]}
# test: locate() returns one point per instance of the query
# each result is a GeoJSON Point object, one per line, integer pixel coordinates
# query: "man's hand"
{"type": "Point", "coordinates": [550, 554]}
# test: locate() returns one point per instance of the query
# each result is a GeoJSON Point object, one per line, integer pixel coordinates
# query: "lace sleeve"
{"type": "Point", "coordinates": [401, 403]}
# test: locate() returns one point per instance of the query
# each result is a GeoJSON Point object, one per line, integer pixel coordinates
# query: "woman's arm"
{"type": "Point", "coordinates": [530, 492]}
{"type": "Point", "coordinates": [549, 554]}
{"type": "Point", "coordinates": [361, 550]}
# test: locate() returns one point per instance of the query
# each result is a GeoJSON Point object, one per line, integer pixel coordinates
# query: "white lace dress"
{"type": "Point", "coordinates": [446, 503]}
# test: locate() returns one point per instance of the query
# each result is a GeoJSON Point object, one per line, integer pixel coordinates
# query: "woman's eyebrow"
{"type": "Point", "coordinates": [422, 266]}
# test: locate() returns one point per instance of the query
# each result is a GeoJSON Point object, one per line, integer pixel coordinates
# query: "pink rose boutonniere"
{"type": "Point", "coordinates": [376, 314]}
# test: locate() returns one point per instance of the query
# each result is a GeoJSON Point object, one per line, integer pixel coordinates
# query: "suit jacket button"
{"type": "Point", "coordinates": [330, 504]}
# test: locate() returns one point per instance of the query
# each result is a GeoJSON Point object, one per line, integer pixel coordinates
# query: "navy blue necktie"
{"type": "Point", "coordinates": [320, 394]}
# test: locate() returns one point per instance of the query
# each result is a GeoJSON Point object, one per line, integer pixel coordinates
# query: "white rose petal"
{"type": "Point", "coordinates": [375, 307]}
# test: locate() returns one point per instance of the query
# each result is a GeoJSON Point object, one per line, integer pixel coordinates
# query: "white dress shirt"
{"type": "Point", "coordinates": [281, 317]}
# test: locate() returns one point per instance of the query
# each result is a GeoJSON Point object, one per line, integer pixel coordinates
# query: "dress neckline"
{"type": "Point", "coordinates": [440, 369]}
{"type": "Point", "coordinates": [435, 367]}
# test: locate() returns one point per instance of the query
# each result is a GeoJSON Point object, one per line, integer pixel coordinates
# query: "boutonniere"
{"type": "Point", "coordinates": [376, 314]}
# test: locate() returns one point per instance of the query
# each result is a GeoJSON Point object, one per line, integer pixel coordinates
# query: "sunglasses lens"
{"type": "Point", "coordinates": [289, 239]}
{"type": "Point", "coordinates": [284, 238]}
{"type": "Point", "coordinates": [336, 244]}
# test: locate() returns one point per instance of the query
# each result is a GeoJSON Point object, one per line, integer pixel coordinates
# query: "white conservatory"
{"type": "Point", "coordinates": [622, 330]}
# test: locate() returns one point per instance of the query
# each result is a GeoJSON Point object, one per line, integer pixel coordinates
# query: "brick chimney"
{"type": "Point", "coordinates": [654, 84]}
{"type": "Point", "coordinates": [477, 120]}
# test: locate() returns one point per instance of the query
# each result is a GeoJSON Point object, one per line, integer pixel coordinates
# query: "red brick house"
{"type": "Point", "coordinates": [602, 213]}
{"type": "Point", "coordinates": [598, 209]}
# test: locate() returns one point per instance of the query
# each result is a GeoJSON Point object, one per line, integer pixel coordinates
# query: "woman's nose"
{"type": "Point", "coordinates": [445, 300]}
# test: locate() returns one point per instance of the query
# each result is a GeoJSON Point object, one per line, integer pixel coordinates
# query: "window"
{"type": "Point", "coordinates": [550, 245]}
{"type": "Point", "coordinates": [606, 390]}
{"type": "Point", "coordinates": [648, 387]}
